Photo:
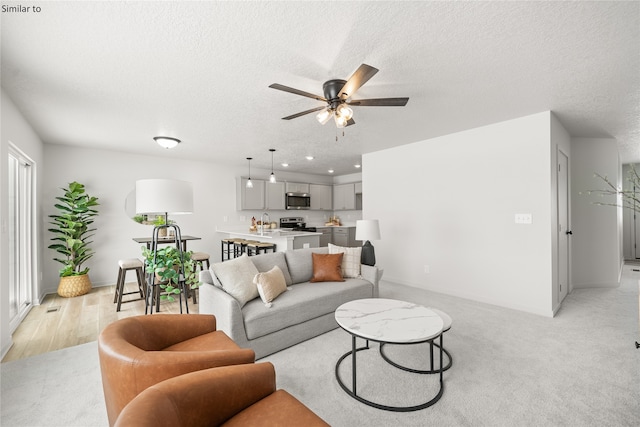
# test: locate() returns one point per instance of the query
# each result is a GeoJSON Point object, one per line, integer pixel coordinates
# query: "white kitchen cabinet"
{"type": "Point", "coordinates": [250, 198]}
{"type": "Point", "coordinates": [275, 196]}
{"type": "Point", "coordinates": [321, 196]}
{"type": "Point", "coordinates": [344, 197]}
{"type": "Point", "coordinates": [297, 187]}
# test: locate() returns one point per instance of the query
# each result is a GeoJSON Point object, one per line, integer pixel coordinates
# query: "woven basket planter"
{"type": "Point", "coordinates": [74, 286]}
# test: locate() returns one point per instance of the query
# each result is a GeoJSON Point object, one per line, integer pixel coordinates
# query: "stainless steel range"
{"type": "Point", "coordinates": [295, 224]}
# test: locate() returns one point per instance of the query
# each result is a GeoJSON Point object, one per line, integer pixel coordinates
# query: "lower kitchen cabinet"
{"type": "Point", "coordinates": [326, 237]}
{"type": "Point", "coordinates": [345, 236]}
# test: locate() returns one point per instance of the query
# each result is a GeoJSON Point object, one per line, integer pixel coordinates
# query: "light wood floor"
{"type": "Point", "coordinates": [64, 322]}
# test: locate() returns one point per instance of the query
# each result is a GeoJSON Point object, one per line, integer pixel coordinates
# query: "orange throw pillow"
{"type": "Point", "coordinates": [327, 267]}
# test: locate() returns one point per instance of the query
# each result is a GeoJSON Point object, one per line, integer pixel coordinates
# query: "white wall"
{"type": "Point", "coordinates": [111, 175]}
{"type": "Point", "coordinates": [597, 230]}
{"type": "Point", "coordinates": [16, 130]}
{"type": "Point", "coordinates": [449, 203]}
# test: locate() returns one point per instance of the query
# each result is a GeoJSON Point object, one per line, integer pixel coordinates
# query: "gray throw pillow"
{"type": "Point", "coordinates": [236, 277]}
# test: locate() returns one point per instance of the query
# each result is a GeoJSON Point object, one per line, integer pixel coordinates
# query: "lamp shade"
{"type": "Point", "coordinates": [367, 229]}
{"type": "Point", "coordinates": [159, 196]}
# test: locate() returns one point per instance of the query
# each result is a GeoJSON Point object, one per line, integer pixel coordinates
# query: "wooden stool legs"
{"type": "Point", "coordinates": [122, 273]}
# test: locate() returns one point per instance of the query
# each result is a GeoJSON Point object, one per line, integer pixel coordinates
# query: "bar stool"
{"type": "Point", "coordinates": [254, 248]}
{"type": "Point", "coordinates": [200, 258]}
{"type": "Point", "coordinates": [226, 248]}
{"type": "Point", "coordinates": [124, 266]}
{"type": "Point", "coordinates": [239, 247]}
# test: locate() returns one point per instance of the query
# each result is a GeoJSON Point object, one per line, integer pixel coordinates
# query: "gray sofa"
{"type": "Point", "coordinates": [304, 311]}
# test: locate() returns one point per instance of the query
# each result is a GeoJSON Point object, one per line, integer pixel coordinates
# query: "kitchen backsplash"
{"type": "Point", "coordinates": [311, 218]}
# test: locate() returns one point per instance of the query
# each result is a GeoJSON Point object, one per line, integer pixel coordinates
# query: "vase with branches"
{"type": "Point", "coordinates": [629, 198]}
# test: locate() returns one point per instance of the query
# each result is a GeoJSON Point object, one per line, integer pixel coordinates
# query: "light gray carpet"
{"type": "Point", "coordinates": [580, 368]}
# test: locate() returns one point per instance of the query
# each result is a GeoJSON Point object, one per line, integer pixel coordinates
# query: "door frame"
{"type": "Point", "coordinates": [562, 294]}
{"type": "Point", "coordinates": [30, 252]}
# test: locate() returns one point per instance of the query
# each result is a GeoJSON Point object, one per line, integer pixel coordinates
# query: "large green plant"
{"type": "Point", "coordinates": [165, 264]}
{"type": "Point", "coordinates": [76, 212]}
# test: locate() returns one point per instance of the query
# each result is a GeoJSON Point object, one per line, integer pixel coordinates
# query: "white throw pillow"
{"type": "Point", "coordinates": [350, 259]}
{"type": "Point", "coordinates": [270, 284]}
{"type": "Point", "coordinates": [236, 277]}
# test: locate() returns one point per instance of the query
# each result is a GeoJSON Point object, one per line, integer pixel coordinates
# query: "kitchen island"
{"type": "Point", "coordinates": [283, 239]}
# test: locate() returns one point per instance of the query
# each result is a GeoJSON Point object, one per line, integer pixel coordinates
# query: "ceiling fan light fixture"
{"type": "Point", "coordinates": [166, 141]}
{"type": "Point", "coordinates": [344, 111]}
{"type": "Point", "coordinates": [340, 121]}
{"type": "Point", "coordinates": [325, 115]}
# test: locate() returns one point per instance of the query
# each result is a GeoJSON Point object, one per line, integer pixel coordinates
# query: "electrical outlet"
{"type": "Point", "coordinates": [523, 218]}
{"type": "Point", "coordinates": [427, 270]}
{"type": "Point", "coordinates": [243, 218]}
{"type": "Point", "coordinates": [225, 218]}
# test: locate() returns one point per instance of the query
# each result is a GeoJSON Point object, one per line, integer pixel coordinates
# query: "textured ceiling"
{"type": "Point", "coordinates": [115, 74]}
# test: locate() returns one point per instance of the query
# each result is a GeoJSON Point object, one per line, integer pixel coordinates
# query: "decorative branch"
{"type": "Point", "coordinates": [629, 199]}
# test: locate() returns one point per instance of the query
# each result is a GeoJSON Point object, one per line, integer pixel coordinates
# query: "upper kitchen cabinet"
{"type": "Point", "coordinates": [321, 197]}
{"type": "Point", "coordinates": [275, 196]}
{"type": "Point", "coordinates": [250, 198]}
{"type": "Point", "coordinates": [297, 187]}
{"type": "Point", "coordinates": [344, 197]}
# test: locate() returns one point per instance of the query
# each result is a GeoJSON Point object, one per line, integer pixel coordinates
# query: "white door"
{"type": "Point", "coordinates": [20, 227]}
{"type": "Point", "coordinates": [564, 231]}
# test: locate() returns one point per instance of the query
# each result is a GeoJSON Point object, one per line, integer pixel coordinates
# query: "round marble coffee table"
{"type": "Point", "coordinates": [388, 321]}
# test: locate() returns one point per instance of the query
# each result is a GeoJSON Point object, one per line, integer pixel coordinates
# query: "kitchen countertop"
{"type": "Point", "coordinates": [268, 234]}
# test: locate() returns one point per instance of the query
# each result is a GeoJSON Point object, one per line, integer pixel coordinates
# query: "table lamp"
{"type": "Point", "coordinates": [367, 229]}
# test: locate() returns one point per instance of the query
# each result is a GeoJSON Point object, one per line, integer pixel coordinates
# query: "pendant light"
{"type": "Point", "coordinates": [272, 178]}
{"type": "Point", "coordinates": [249, 183]}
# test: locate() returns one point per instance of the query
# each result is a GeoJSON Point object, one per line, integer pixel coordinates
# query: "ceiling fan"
{"type": "Point", "coordinates": [337, 95]}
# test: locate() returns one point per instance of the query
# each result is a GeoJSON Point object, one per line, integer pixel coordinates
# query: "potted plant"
{"type": "Point", "coordinates": [71, 233]}
{"type": "Point", "coordinates": [158, 221]}
{"type": "Point", "coordinates": [165, 264]}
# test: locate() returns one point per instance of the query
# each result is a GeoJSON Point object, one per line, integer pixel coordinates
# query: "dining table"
{"type": "Point", "coordinates": [166, 240]}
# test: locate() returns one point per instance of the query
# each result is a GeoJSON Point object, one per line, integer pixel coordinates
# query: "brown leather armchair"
{"type": "Point", "coordinates": [242, 395]}
{"type": "Point", "coordinates": [140, 351]}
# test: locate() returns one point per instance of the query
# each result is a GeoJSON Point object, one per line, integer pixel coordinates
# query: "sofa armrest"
{"type": "Point", "coordinates": [372, 274]}
{"type": "Point", "coordinates": [229, 318]}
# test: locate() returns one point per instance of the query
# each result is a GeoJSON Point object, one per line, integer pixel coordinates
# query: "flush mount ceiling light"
{"type": "Point", "coordinates": [337, 98]}
{"type": "Point", "coordinates": [166, 141]}
{"type": "Point", "coordinates": [249, 183]}
{"type": "Point", "coordinates": [357, 166]}
{"type": "Point", "coordinates": [309, 158]}
{"type": "Point", "coordinates": [272, 178]}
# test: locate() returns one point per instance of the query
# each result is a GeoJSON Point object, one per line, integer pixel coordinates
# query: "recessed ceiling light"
{"type": "Point", "coordinates": [330, 171]}
{"type": "Point", "coordinates": [357, 166]}
{"type": "Point", "coordinates": [309, 157]}
{"type": "Point", "coordinates": [285, 165]}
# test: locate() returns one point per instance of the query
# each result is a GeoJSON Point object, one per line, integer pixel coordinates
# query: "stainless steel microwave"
{"type": "Point", "coordinates": [296, 201]}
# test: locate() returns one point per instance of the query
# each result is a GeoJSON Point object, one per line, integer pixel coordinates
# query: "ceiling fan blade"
{"type": "Point", "coordinates": [380, 102]}
{"type": "Point", "coordinates": [293, 116]}
{"type": "Point", "coordinates": [357, 79]}
{"type": "Point", "coordinates": [350, 122]}
{"type": "Point", "coordinates": [297, 92]}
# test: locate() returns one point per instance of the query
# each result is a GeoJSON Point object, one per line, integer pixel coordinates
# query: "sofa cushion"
{"type": "Point", "coordinates": [327, 267]}
{"type": "Point", "coordinates": [350, 261]}
{"type": "Point", "coordinates": [236, 277]}
{"type": "Point", "coordinates": [270, 284]}
{"type": "Point", "coordinates": [303, 302]}
{"type": "Point", "coordinates": [266, 262]}
{"type": "Point", "coordinates": [300, 264]}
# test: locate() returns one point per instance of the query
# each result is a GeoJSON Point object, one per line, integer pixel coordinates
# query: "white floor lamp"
{"type": "Point", "coordinates": [164, 197]}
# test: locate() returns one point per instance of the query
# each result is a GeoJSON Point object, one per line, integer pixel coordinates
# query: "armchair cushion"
{"type": "Point", "coordinates": [140, 351]}
{"type": "Point", "coordinates": [241, 395]}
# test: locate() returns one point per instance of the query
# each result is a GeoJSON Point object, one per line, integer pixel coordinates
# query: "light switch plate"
{"type": "Point", "coordinates": [524, 218]}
